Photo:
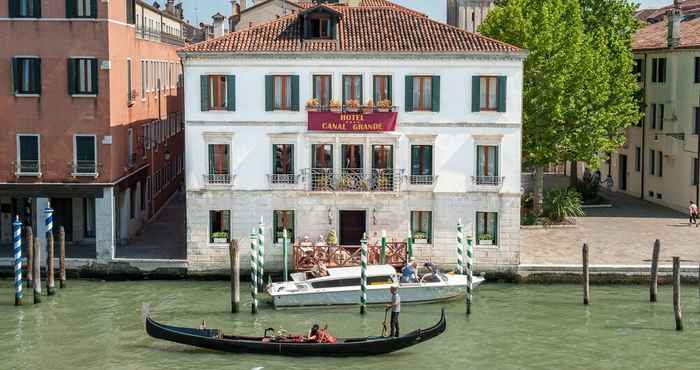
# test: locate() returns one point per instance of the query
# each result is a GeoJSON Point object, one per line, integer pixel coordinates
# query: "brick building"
{"type": "Point", "coordinates": [92, 117]}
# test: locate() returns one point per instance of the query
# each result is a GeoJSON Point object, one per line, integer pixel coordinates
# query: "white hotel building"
{"type": "Point", "coordinates": [454, 153]}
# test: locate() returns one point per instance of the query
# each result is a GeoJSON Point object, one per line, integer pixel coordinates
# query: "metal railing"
{"type": "Point", "coordinates": [85, 168]}
{"type": "Point", "coordinates": [27, 167]}
{"type": "Point", "coordinates": [218, 179]}
{"type": "Point", "coordinates": [345, 108]}
{"type": "Point", "coordinates": [354, 180]}
{"type": "Point", "coordinates": [283, 179]}
{"type": "Point", "coordinates": [156, 34]}
{"type": "Point", "coordinates": [488, 180]}
{"type": "Point", "coordinates": [422, 179]}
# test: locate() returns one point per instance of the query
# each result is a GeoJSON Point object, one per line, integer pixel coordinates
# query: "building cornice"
{"type": "Point", "coordinates": [510, 56]}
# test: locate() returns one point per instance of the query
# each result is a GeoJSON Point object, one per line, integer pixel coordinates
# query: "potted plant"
{"type": "Point", "coordinates": [369, 107]}
{"type": "Point", "coordinates": [485, 239]}
{"type": "Point", "coordinates": [220, 237]}
{"type": "Point", "coordinates": [312, 105]}
{"type": "Point", "coordinates": [384, 105]}
{"type": "Point", "coordinates": [420, 237]}
{"type": "Point", "coordinates": [331, 238]}
{"type": "Point", "coordinates": [352, 105]}
{"type": "Point", "coordinates": [334, 105]}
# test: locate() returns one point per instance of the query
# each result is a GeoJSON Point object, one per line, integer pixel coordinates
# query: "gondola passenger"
{"type": "Point", "coordinates": [408, 273]}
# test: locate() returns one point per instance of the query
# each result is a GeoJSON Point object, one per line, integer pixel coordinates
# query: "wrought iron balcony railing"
{"type": "Point", "coordinates": [354, 180]}
{"type": "Point", "coordinates": [88, 168]}
{"type": "Point", "coordinates": [488, 180]}
{"type": "Point", "coordinates": [218, 179]}
{"type": "Point", "coordinates": [27, 168]}
{"type": "Point", "coordinates": [422, 179]}
{"type": "Point", "coordinates": [283, 179]}
{"type": "Point", "coordinates": [156, 34]}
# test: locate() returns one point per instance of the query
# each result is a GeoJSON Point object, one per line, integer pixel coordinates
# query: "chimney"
{"type": "Point", "coordinates": [218, 24]}
{"type": "Point", "coordinates": [170, 7]}
{"type": "Point", "coordinates": [674, 17]}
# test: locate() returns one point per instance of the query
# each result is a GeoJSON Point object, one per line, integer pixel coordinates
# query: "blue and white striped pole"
{"type": "Point", "coordinates": [49, 219]}
{"type": "Point", "coordinates": [18, 261]}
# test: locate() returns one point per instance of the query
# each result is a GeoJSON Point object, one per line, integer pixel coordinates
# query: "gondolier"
{"type": "Point", "coordinates": [395, 307]}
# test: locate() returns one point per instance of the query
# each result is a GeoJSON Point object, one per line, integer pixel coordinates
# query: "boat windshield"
{"type": "Point", "coordinates": [345, 282]}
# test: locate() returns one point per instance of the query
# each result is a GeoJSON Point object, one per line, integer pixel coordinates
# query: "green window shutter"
{"type": "Point", "coordinates": [28, 146]}
{"type": "Point", "coordinates": [93, 8]}
{"type": "Point", "coordinates": [502, 93]}
{"type": "Point", "coordinates": [314, 92]}
{"type": "Point", "coordinates": [428, 160]}
{"type": "Point", "coordinates": [204, 92]}
{"type": "Point", "coordinates": [342, 92]}
{"type": "Point", "coordinates": [362, 91]}
{"type": "Point", "coordinates": [409, 94]}
{"type": "Point", "coordinates": [211, 159]}
{"type": "Point", "coordinates": [495, 229]}
{"type": "Point", "coordinates": [291, 159]}
{"type": "Point", "coordinates": [36, 63]}
{"type": "Point", "coordinates": [70, 8]}
{"type": "Point", "coordinates": [231, 92]}
{"type": "Point", "coordinates": [389, 89]}
{"type": "Point", "coordinates": [85, 148]}
{"type": "Point", "coordinates": [436, 93]}
{"type": "Point", "coordinates": [430, 227]}
{"type": "Point", "coordinates": [37, 8]}
{"type": "Point", "coordinates": [295, 93]}
{"type": "Point", "coordinates": [415, 160]}
{"type": "Point", "coordinates": [13, 9]}
{"type": "Point", "coordinates": [476, 94]}
{"type": "Point", "coordinates": [269, 93]}
{"type": "Point", "coordinates": [496, 161]}
{"type": "Point", "coordinates": [95, 79]}
{"type": "Point", "coordinates": [15, 75]}
{"type": "Point", "coordinates": [71, 76]}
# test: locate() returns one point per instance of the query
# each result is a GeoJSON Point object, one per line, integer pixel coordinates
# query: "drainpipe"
{"type": "Point", "coordinates": [697, 171]}
{"type": "Point", "coordinates": [642, 155]}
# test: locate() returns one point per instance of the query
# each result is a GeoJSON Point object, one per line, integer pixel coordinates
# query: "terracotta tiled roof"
{"type": "Point", "coordinates": [655, 15]}
{"type": "Point", "coordinates": [654, 36]}
{"type": "Point", "coordinates": [374, 26]}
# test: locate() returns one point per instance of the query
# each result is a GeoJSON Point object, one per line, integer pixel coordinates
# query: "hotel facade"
{"type": "Point", "coordinates": [355, 119]}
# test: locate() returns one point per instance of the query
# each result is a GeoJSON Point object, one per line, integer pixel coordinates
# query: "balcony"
{"type": "Point", "coordinates": [282, 179]}
{"type": "Point", "coordinates": [85, 168]}
{"type": "Point", "coordinates": [422, 179]}
{"type": "Point", "coordinates": [156, 34]}
{"type": "Point", "coordinates": [488, 183]}
{"type": "Point", "coordinates": [354, 180]}
{"type": "Point", "coordinates": [218, 179]}
{"type": "Point", "coordinates": [27, 168]}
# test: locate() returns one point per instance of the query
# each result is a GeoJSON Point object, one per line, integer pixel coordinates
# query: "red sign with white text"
{"type": "Point", "coordinates": [352, 122]}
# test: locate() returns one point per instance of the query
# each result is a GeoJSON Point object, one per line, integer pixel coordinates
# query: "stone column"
{"type": "Point", "coordinates": [40, 227]}
{"type": "Point", "coordinates": [105, 225]}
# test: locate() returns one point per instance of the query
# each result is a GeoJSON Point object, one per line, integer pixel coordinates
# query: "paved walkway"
{"type": "Point", "coordinates": [163, 237]}
{"type": "Point", "coordinates": [622, 235]}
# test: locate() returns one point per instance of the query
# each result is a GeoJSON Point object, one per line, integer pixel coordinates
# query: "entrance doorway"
{"type": "Point", "coordinates": [353, 225]}
{"type": "Point", "coordinates": [623, 172]}
{"type": "Point", "coordinates": [63, 216]}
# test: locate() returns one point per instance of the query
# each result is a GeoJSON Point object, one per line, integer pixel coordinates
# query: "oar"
{"type": "Point", "coordinates": [384, 328]}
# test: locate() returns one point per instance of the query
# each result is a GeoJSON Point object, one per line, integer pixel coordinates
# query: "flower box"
{"type": "Point", "coordinates": [485, 242]}
{"type": "Point", "coordinates": [220, 240]}
{"type": "Point", "coordinates": [420, 241]}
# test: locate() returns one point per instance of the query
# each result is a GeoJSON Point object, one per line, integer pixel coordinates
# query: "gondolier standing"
{"type": "Point", "coordinates": [395, 310]}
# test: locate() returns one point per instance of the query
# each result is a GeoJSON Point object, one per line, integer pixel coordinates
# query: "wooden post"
{"type": "Point", "coordinates": [235, 276]}
{"type": "Point", "coordinates": [677, 293]}
{"type": "Point", "coordinates": [29, 236]}
{"type": "Point", "coordinates": [62, 256]}
{"type": "Point", "coordinates": [586, 277]}
{"type": "Point", "coordinates": [50, 284]}
{"type": "Point", "coordinates": [654, 274]}
{"type": "Point", "coordinates": [36, 275]}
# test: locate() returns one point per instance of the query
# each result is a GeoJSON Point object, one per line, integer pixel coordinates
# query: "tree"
{"type": "Point", "coordinates": [570, 109]}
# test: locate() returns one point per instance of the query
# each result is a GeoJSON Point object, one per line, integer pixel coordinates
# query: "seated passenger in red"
{"type": "Point", "coordinates": [317, 335]}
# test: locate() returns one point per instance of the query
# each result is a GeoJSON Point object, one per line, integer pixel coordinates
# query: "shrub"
{"type": "Point", "coordinates": [562, 203]}
{"type": "Point", "coordinates": [588, 187]}
{"type": "Point", "coordinates": [529, 219]}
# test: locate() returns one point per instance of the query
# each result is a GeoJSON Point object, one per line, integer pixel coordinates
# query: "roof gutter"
{"type": "Point", "coordinates": [520, 55]}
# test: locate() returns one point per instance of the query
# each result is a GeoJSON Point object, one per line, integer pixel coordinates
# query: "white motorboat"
{"type": "Point", "coordinates": [342, 287]}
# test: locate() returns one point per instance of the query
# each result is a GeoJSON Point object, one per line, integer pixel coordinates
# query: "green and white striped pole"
{"type": "Point", "coordinates": [460, 248]}
{"type": "Point", "coordinates": [253, 272]}
{"type": "Point", "coordinates": [285, 253]}
{"type": "Point", "coordinates": [382, 255]}
{"type": "Point", "coordinates": [470, 270]}
{"type": "Point", "coordinates": [363, 274]}
{"type": "Point", "coordinates": [409, 245]}
{"type": "Point", "coordinates": [261, 255]}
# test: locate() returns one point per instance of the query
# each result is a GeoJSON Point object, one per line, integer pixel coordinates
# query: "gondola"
{"type": "Point", "coordinates": [289, 346]}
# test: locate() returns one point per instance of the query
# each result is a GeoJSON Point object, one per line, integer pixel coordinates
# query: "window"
{"type": "Point", "coordinates": [697, 121]}
{"type": "Point", "coordinates": [652, 162]}
{"type": "Point", "coordinates": [130, 95]}
{"type": "Point", "coordinates": [219, 167]}
{"type": "Point", "coordinates": [352, 89]}
{"type": "Point", "coordinates": [130, 146]}
{"type": "Point", "coordinates": [695, 169]}
{"type": "Point", "coordinates": [89, 220]}
{"type": "Point", "coordinates": [697, 70]}
{"type": "Point", "coordinates": [320, 28]}
{"type": "Point", "coordinates": [352, 158]}
{"type": "Point", "coordinates": [25, 8]}
{"type": "Point", "coordinates": [82, 76]}
{"type": "Point", "coordinates": [283, 220]}
{"type": "Point", "coordinates": [27, 75]}
{"type": "Point", "coordinates": [422, 227]}
{"type": "Point", "coordinates": [489, 93]}
{"type": "Point", "coordinates": [131, 11]}
{"type": "Point", "coordinates": [661, 163]}
{"type": "Point", "coordinates": [28, 154]}
{"type": "Point", "coordinates": [219, 226]}
{"type": "Point", "coordinates": [422, 93]}
{"type": "Point", "coordinates": [486, 228]}
{"type": "Point", "coordinates": [132, 202]}
{"type": "Point", "coordinates": [282, 162]}
{"type": "Point", "coordinates": [217, 92]}
{"type": "Point", "coordinates": [85, 155]}
{"type": "Point", "coordinates": [143, 195]}
{"type": "Point", "coordinates": [282, 92]}
{"type": "Point", "coordinates": [322, 156]}
{"type": "Point", "coordinates": [81, 8]}
{"type": "Point", "coordinates": [144, 78]}
{"type": "Point", "coordinates": [421, 164]}
{"type": "Point", "coordinates": [637, 159]}
{"type": "Point", "coordinates": [638, 69]}
{"type": "Point", "coordinates": [487, 165]}
{"type": "Point", "coordinates": [660, 122]}
{"type": "Point", "coordinates": [322, 89]}
{"type": "Point", "coordinates": [382, 88]}
{"type": "Point", "coordinates": [658, 70]}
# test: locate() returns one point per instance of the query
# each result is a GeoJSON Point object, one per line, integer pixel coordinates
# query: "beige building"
{"type": "Point", "coordinates": [659, 161]}
{"type": "Point", "coordinates": [468, 14]}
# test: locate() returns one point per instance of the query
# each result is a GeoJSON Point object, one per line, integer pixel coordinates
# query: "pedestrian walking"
{"type": "Point", "coordinates": [693, 214]}
{"type": "Point", "coordinates": [395, 307]}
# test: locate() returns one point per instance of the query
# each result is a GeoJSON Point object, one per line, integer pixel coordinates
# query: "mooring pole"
{"type": "Point", "coordinates": [363, 274]}
{"type": "Point", "coordinates": [235, 276]}
{"type": "Point", "coordinates": [382, 251]}
{"type": "Point", "coordinates": [253, 272]}
{"type": "Point", "coordinates": [586, 277]}
{"type": "Point", "coordinates": [29, 236]}
{"type": "Point", "coordinates": [677, 310]}
{"type": "Point", "coordinates": [654, 274]}
{"type": "Point", "coordinates": [50, 268]}
{"type": "Point", "coordinates": [409, 245]}
{"type": "Point", "coordinates": [36, 284]}
{"type": "Point", "coordinates": [460, 248]}
{"type": "Point", "coordinates": [18, 260]}
{"type": "Point", "coordinates": [261, 256]}
{"type": "Point", "coordinates": [62, 256]}
{"type": "Point", "coordinates": [470, 272]}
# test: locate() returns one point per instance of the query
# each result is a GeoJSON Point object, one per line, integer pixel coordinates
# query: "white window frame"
{"type": "Point", "coordinates": [18, 167]}
{"type": "Point", "coordinates": [75, 156]}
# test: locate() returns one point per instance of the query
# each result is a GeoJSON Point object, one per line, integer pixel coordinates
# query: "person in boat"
{"type": "Point", "coordinates": [320, 270]}
{"type": "Point", "coordinates": [318, 335]}
{"type": "Point", "coordinates": [432, 275]}
{"type": "Point", "coordinates": [395, 307]}
{"type": "Point", "coordinates": [408, 273]}
{"type": "Point", "coordinates": [203, 325]}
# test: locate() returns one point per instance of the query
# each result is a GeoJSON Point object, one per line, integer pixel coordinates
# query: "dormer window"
{"type": "Point", "coordinates": [320, 28]}
{"type": "Point", "coordinates": [320, 22]}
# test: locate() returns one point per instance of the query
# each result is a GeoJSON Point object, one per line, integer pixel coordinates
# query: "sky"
{"type": "Point", "coordinates": [201, 10]}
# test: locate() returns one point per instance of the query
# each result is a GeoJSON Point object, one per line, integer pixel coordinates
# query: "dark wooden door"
{"type": "Point", "coordinates": [62, 216]}
{"type": "Point", "coordinates": [623, 172]}
{"type": "Point", "coordinates": [352, 226]}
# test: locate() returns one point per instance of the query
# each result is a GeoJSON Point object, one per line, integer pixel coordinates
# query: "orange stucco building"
{"type": "Point", "coordinates": [91, 117]}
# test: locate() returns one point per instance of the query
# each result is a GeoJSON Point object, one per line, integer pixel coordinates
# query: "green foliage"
{"type": "Point", "coordinates": [529, 219]}
{"type": "Point", "coordinates": [578, 90]}
{"type": "Point", "coordinates": [220, 235]}
{"type": "Point", "coordinates": [588, 188]}
{"type": "Point", "coordinates": [331, 238]}
{"type": "Point", "coordinates": [562, 203]}
{"type": "Point", "coordinates": [485, 237]}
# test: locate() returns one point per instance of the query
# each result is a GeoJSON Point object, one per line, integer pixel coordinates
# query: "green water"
{"type": "Point", "coordinates": [97, 325]}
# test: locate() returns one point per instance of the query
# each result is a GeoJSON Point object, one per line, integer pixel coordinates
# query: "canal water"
{"type": "Point", "coordinates": [97, 325]}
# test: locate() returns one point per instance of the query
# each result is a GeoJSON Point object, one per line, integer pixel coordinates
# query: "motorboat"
{"type": "Point", "coordinates": [341, 286]}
